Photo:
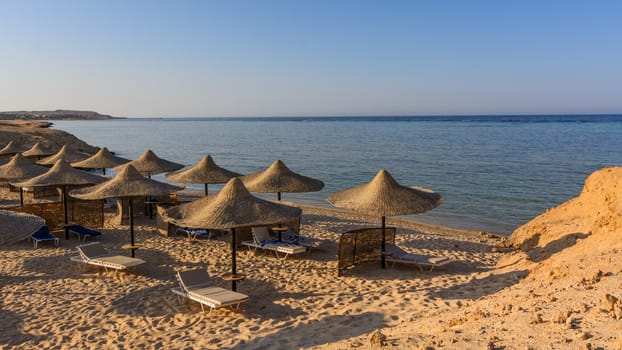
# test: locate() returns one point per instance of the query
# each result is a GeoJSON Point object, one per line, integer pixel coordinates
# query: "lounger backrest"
{"type": "Point", "coordinates": [83, 230]}
{"type": "Point", "coordinates": [92, 250]}
{"type": "Point", "coordinates": [261, 234]}
{"type": "Point", "coordinates": [293, 236]}
{"type": "Point", "coordinates": [43, 232]}
{"type": "Point", "coordinates": [191, 279]}
{"type": "Point", "coordinates": [395, 251]}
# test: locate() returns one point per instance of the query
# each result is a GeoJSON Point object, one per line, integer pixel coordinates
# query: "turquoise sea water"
{"type": "Point", "coordinates": [494, 172]}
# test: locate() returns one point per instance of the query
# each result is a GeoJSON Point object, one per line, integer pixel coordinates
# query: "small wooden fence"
{"type": "Point", "coordinates": [362, 245]}
{"type": "Point", "coordinates": [85, 213]}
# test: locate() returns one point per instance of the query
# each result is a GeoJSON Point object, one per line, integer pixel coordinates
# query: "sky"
{"type": "Point", "coordinates": [134, 58]}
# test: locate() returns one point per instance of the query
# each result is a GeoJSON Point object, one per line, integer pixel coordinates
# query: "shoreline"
{"type": "Point", "coordinates": [555, 283]}
{"type": "Point", "coordinates": [395, 221]}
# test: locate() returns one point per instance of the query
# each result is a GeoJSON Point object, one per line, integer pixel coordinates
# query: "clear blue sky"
{"type": "Point", "coordinates": [295, 57]}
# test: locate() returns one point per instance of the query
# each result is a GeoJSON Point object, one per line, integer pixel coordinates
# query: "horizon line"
{"type": "Point", "coordinates": [382, 115]}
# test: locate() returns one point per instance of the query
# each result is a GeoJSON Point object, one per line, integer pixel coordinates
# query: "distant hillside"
{"type": "Point", "coordinates": [58, 114]}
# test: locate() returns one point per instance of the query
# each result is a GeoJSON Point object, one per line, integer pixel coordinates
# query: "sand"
{"type": "Point", "coordinates": [554, 284]}
{"type": "Point", "coordinates": [52, 302]}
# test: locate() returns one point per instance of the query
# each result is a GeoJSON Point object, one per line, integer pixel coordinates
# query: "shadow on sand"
{"type": "Point", "coordinates": [332, 328]}
{"type": "Point", "coordinates": [538, 254]}
{"type": "Point", "coordinates": [11, 334]}
{"type": "Point", "coordinates": [150, 301]}
{"type": "Point", "coordinates": [477, 288]}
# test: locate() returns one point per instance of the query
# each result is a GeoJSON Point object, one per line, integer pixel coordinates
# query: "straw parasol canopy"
{"type": "Point", "coordinates": [20, 168]}
{"type": "Point", "coordinates": [18, 226]}
{"type": "Point", "coordinates": [150, 164]}
{"type": "Point", "coordinates": [128, 183]}
{"type": "Point", "coordinates": [231, 208]}
{"type": "Point", "coordinates": [37, 151]}
{"type": "Point", "coordinates": [66, 154]}
{"type": "Point", "coordinates": [204, 172]}
{"type": "Point", "coordinates": [11, 149]}
{"type": "Point", "coordinates": [385, 197]}
{"type": "Point", "coordinates": [101, 160]}
{"type": "Point", "coordinates": [62, 175]}
{"type": "Point", "coordinates": [278, 178]}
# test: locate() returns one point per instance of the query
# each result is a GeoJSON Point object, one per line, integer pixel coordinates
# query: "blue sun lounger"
{"type": "Point", "coordinates": [43, 235]}
{"type": "Point", "coordinates": [82, 232]}
{"type": "Point", "coordinates": [194, 232]}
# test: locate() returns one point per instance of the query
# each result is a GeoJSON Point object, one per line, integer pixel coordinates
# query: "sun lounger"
{"type": "Point", "coordinates": [196, 285]}
{"type": "Point", "coordinates": [44, 235]}
{"type": "Point", "coordinates": [82, 232]}
{"type": "Point", "coordinates": [262, 240]}
{"type": "Point", "coordinates": [95, 254]}
{"type": "Point", "coordinates": [309, 242]}
{"type": "Point", "coordinates": [194, 233]}
{"type": "Point", "coordinates": [398, 255]}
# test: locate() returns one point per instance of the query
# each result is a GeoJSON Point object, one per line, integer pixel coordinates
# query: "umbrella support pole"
{"type": "Point", "coordinates": [21, 197]}
{"type": "Point", "coordinates": [233, 260]}
{"type": "Point", "coordinates": [131, 212]}
{"type": "Point", "coordinates": [65, 211]}
{"type": "Point", "coordinates": [383, 263]}
{"type": "Point", "coordinates": [206, 193]}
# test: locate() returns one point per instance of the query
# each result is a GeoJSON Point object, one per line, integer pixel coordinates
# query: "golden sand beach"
{"type": "Point", "coordinates": [554, 284]}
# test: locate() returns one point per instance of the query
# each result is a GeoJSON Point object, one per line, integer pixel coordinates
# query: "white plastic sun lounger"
{"type": "Point", "coordinates": [95, 254]}
{"type": "Point", "coordinates": [398, 255]}
{"type": "Point", "coordinates": [309, 242]}
{"type": "Point", "coordinates": [196, 285]}
{"type": "Point", "coordinates": [262, 240]}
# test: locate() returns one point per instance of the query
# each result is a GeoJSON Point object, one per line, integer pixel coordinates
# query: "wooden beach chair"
{"type": "Point", "coordinates": [196, 285]}
{"type": "Point", "coordinates": [399, 255]}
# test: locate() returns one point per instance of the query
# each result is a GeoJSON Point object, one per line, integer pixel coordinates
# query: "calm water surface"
{"type": "Point", "coordinates": [494, 173]}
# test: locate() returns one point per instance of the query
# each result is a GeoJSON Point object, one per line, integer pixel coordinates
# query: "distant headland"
{"type": "Point", "coordinates": [59, 114]}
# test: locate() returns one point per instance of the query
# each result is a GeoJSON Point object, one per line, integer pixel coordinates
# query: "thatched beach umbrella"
{"type": "Point", "coordinates": [278, 178]}
{"type": "Point", "coordinates": [233, 207]}
{"type": "Point", "coordinates": [37, 151]}
{"type": "Point", "coordinates": [19, 169]}
{"type": "Point", "coordinates": [66, 154]}
{"type": "Point", "coordinates": [204, 172]}
{"type": "Point", "coordinates": [12, 149]}
{"type": "Point", "coordinates": [101, 160]}
{"type": "Point", "coordinates": [18, 226]}
{"type": "Point", "coordinates": [62, 175]}
{"type": "Point", "coordinates": [150, 164]}
{"type": "Point", "coordinates": [128, 183]}
{"type": "Point", "coordinates": [385, 197]}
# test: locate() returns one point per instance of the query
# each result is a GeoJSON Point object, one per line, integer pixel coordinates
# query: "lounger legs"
{"type": "Point", "coordinates": [276, 252]}
{"type": "Point", "coordinates": [36, 243]}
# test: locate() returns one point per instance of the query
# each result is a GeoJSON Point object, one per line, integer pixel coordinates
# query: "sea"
{"type": "Point", "coordinates": [494, 173]}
